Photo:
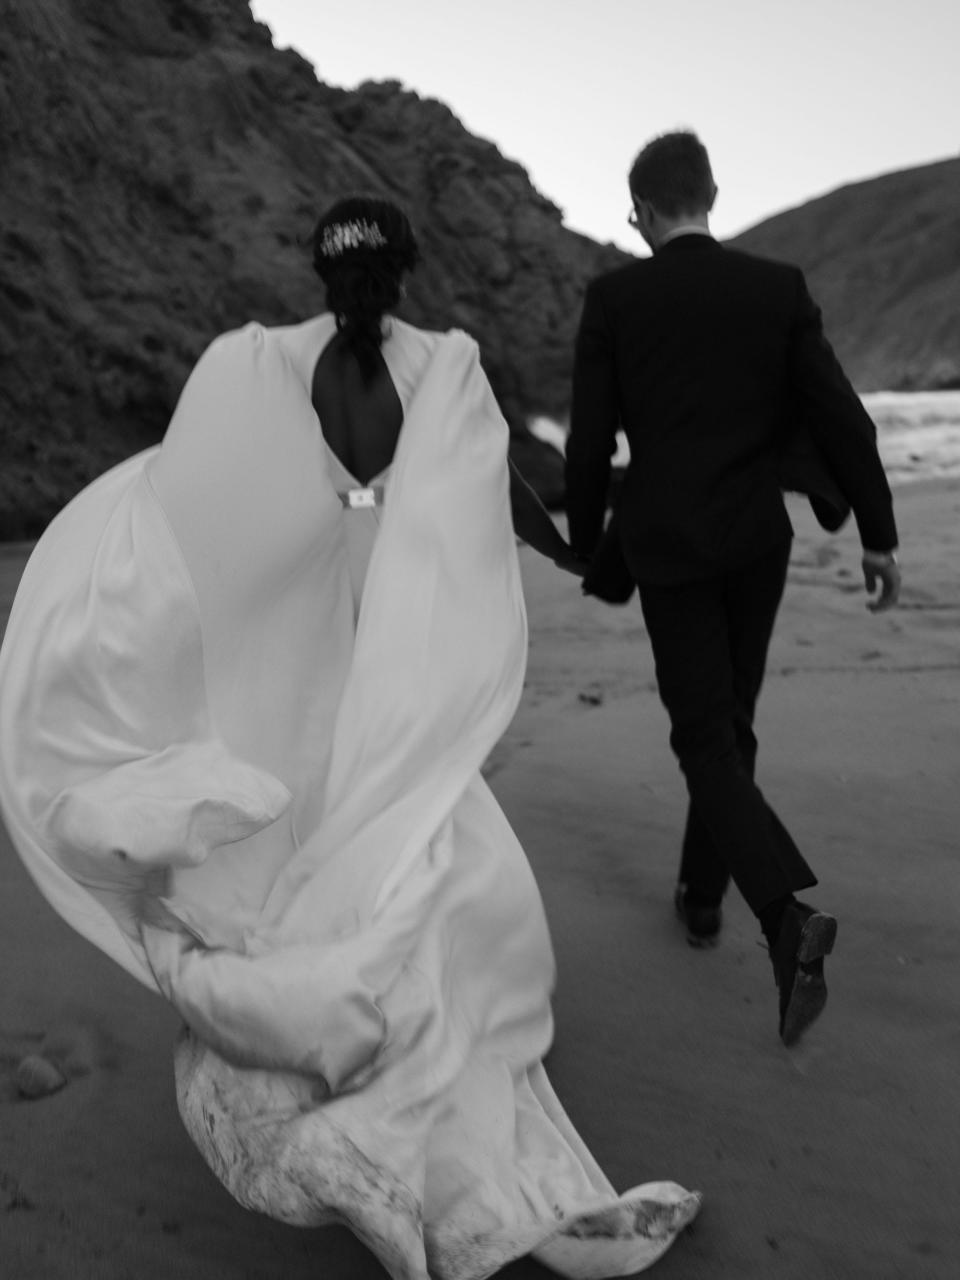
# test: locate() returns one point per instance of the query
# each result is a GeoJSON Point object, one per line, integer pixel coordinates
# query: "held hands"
{"type": "Point", "coordinates": [572, 562]}
{"type": "Point", "coordinates": [880, 568]}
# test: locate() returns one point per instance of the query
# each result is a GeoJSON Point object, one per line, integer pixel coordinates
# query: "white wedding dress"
{"type": "Point", "coordinates": [241, 731]}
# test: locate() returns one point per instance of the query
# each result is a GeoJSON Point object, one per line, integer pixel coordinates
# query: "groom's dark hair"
{"type": "Point", "coordinates": [673, 172]}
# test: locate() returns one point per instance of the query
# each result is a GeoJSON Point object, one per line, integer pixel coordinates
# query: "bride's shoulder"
{"type": "Point", "coordinates": [411, 352]}
{"type": "Point", "coordinates": [286, 337]}
{"type": "Point", "coordinates": [424, 347]}
{"type": "Point", "coordinates": [304, 335]}
{"type": "Point", "coordinates": [231, 347]}
{"type": "Point", "coordinates": [298, 345]}
{"type": "Point", "coordinates": [263, 350]}
{"type": "Point", "coordinates": [427, 340]}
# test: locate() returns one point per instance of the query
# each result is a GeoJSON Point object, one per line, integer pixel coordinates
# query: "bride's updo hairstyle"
{"type": "Point", "coordinates": [361, 249]}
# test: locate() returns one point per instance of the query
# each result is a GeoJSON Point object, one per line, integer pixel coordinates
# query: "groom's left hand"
{"type": "Point", "coordinates": [572, 562]}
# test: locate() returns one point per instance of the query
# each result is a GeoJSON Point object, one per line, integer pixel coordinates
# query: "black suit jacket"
{"type": "Point", "coordinates": [708, 358]}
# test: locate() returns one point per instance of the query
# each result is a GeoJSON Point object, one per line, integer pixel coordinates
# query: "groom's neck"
{"type": "Point", "coordinates": [684, 224]}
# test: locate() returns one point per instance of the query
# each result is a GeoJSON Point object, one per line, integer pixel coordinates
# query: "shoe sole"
{"type": "Point", "coordinates": [700, 941]}
{"type": "Point", "coordinates": [808, 995]}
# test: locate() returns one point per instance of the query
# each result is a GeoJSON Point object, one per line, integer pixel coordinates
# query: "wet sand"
{"type": "Point", "coordinates": [839, 1158]}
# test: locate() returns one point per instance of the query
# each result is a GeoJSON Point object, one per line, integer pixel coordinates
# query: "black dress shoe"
{"type": "Point", "coordinates": [701, 920]}
{"type": "Point", "coordinates": [806, 936]}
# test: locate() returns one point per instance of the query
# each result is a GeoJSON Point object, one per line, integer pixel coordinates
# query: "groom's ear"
{"type": "Point", "coordinates": [713, 198]}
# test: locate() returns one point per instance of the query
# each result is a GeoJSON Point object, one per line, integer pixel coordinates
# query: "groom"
{"type": "Point", "coordinates": [696, 354]}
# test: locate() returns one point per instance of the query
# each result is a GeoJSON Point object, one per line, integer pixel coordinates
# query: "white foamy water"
{"type": "Point", "coordinates": [918, 433]}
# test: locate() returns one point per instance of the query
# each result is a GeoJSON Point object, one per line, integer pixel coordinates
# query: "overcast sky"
{"type": "Point", "coordinates": [791, 99]}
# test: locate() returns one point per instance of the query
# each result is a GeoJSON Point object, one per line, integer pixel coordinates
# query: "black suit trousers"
{"type": "Point", "coordinates": [710, 641]}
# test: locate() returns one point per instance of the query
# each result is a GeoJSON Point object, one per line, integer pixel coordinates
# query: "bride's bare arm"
{"type": "Point", "coordinates": [533, 524]}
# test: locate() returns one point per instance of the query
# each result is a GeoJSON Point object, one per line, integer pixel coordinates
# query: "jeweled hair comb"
{"type": "Point", "coordinates": [338, 237]}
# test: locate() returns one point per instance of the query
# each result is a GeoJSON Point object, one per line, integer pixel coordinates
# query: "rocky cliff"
{"type": "Point", "coordinates": [161, 168]}
{"type": "Point", "coordinates": [883, 260]}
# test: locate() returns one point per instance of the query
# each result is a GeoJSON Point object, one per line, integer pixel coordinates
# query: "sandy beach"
{"type": "Point", "coordinates": [837, 1160]}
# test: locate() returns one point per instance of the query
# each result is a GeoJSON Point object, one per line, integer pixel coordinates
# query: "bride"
{"type": "Point", "coordinates": [247, 686]}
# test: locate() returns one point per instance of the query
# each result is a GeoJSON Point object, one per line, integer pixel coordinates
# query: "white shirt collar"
{"type": "Point", "coordinates": [685, 229]}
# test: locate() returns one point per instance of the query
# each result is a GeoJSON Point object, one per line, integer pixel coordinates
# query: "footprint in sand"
{"type": "Point", "coordinates": [14, 1047]}
{"type": "Point", "coordinates": [36, 1064]}
{"type": "Point", "coordinates": [12, 1195]}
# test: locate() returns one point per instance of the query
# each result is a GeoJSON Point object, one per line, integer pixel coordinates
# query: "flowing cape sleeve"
{"type": "Point", "coordinates": [119, 772]}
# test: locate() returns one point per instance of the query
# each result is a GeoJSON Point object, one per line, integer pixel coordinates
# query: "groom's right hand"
{"type": "Point", "coordinates": [881, 568]}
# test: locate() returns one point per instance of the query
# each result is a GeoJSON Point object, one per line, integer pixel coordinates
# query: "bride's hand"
{"type": "Point", "coordinates": [572, 562]}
